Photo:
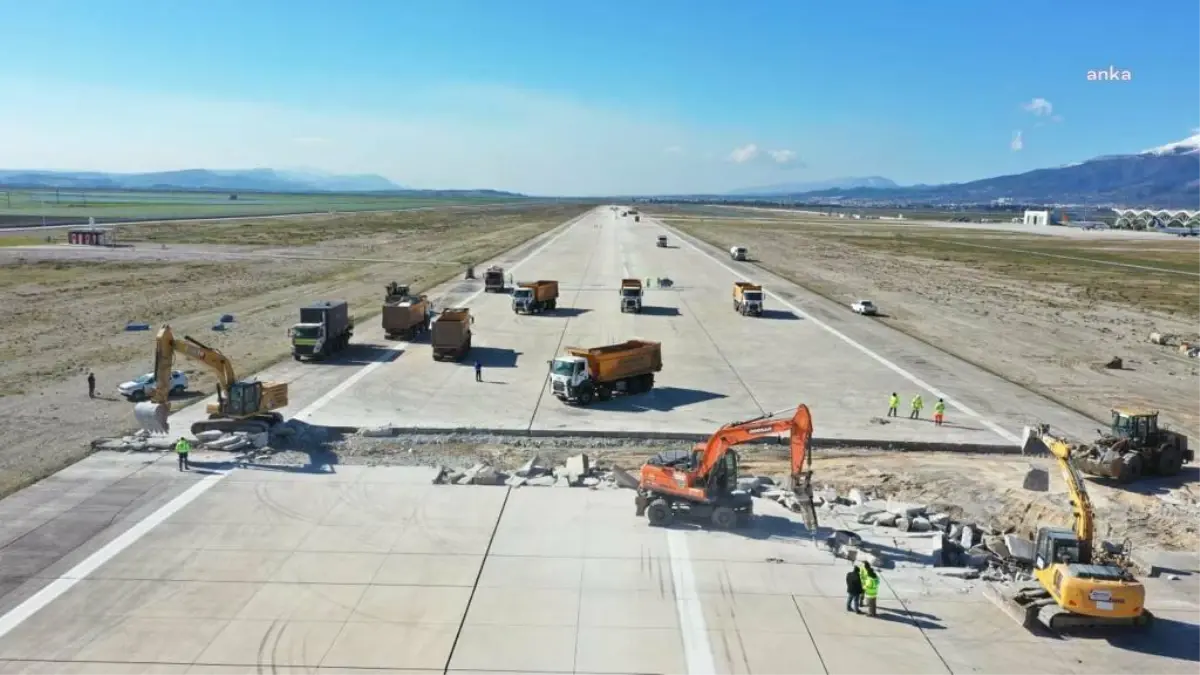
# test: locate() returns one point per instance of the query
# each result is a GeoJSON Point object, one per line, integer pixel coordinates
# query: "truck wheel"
{"type": "Point", "coordinates": [585, 397]}
{"type": "Point", "coordinates": [296, 356]}
{"type": "Point", "coordinates": [658, 513]}
{"type": "Point", "coordinates": [647, 382]}
{"type": "Point", "coordinates": [1170, 460]}
{"type": "Point", "coordinates": [724, 518]}
{"type": "Point", "coordinates": [603, 394]}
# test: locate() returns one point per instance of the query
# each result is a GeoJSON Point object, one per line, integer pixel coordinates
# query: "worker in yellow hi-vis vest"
{"type": "Point", "coordinates": [893, 404]}
{"type": "Point", "coordinates": [917, 404]}
{"type": "Point", "coordinates": [939, 412]}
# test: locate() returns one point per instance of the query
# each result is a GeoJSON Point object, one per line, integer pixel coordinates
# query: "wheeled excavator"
{"type": "Point", "coordinates": [1074, 590]}
{"type": "Point", "coordinates": [701, 484]}
{"type": "Point", "coordinates": [241, 406]}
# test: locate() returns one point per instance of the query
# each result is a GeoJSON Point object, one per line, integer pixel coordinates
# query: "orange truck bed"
{"type": "Point", "coordinates": [627, 359]}
{"type": "Point", "coordinates": [543, 290]}
{"type": "Point", "coordinates": [628, 283]}
{"type": "Point", "coordinates": [740, 287]}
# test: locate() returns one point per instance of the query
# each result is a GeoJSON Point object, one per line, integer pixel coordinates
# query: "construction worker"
{"type": "Point", "coordinates": [893, 404]}
{"type": "Point", "coordinates": [478, 371]}
{"type": "Point", "coordinates": [854, 590]}
{"type": "Point", "coordinates": [182, 448]}
{"type": "Point", "coordinates": [91, 385]}
{"type": "Point", "coordinates": [917, 404]}
{"type": "Point", "coordinates": [870, 585]}
{"type": "Point", "coordinates": [939, 412]}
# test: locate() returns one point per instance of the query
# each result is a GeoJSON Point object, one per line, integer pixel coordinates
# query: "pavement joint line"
{"type": "Point", "coordinates": [697, 651]}
{"type": "Point", "coordinates": [38, 601]}
{"type": "Point", "coordinates": [745, 385]}
{"type": "Point", "coordinates": [562, 335]}
{"type": "Point", "coordinates": [394, 349]}
{"type": "Point", "coordinates": [962, 407]}
{"type": "Point", "coordinates": [808, 630]}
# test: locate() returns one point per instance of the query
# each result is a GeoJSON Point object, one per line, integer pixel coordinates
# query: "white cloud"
{"type": "Point", "coordinates": [1039, 106]}
{"type": "Point", "coordinates": [782, 156]}
{"type": "Point", "coordinates": [1017, 142]}
{"type": "Point", "coordinates": [743, 154]}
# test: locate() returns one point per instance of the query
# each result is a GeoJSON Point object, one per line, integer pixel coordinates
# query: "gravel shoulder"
{"type": "Point", "coordinates": [61, 316]}
{"type": "Point", "coordinates": [1044, 312]}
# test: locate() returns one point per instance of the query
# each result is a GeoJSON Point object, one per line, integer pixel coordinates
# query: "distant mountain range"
{"type": "Point", "coordinates": [250, 180]}
{"type": "Point", "coordinates": [814, 186]}
{"type": "Point", "coordinates": [1162, 177]}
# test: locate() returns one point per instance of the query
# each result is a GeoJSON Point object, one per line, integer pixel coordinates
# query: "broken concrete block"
{"type": "Point", "coordinates": [955, 533]}
{"type": "Point", "coordinates": [113, 444]}
{"type": "Point", "coordinates": [378, 432]}
{"type": "Point", "coordinates": [577, 467]}
{"type": "Point", "coordinates": [515, 481]}
{"type": "Point", "coordinates": [996, 545]}
{"type": "Point", "coordinates": [939, 520]}
{"type": "Point", "coordinates": [856, 496]}
{"type": "Point", "coordinates": [530, 469]}
{"type": "Point", "coordinates": [623, 479]}
{"type": "Point", "coordinates": [562, 481]}
{"type": "Point", "coordinates": [920, 524]}
{"type": "Point", "coordinates": [817, 501]}
{"type": "Point", "coordinates": [841, 538]}
{"type": "Point", "coordinates": [283, 430]}
{"type": "Point", "coordinates": [1019, 547]}
{"type": "Point", "coordinates": [209, 436]}
{"type": "Point", "coordinates": [774, 494]}
{"type": "Point", "coordinates": [439, 475]}
{"type": "Point", "coordinates": [590, 481]}
{"type": "Point", "coordinates": [903, 524]}
{"type": "Point", "coordinates": [872, 559]}
{"type": "Point", "coordinates": [755, 485]}
{"type": "Point", "coordinates": [260, 440]}
{"type": "Point", "coordinates": [238, 444]}
{"type": "Point", "coordinates": [905, 509]}
{"type": "Point", "coordinates": [977, 557]}
{"type": "Point", "coordinates": [968, 536]}
{"type": "Point", "coordinates": [886, 519]}
{"type": "Point", "coordinates": [958, 572]}
{"type": "Point", "coordinates": [828, 496]}
{"type": "Point", "coordinates": [157, 442]}
{"type": "Point", "coordinates": [865, 514]}
{"type": "Point", "coordinates": [482, 474]}
{"type": "Point", "coordinates": [541, 481]}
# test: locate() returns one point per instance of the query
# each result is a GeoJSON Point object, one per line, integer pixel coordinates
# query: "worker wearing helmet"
{"type": "Point", "coordinates": [870, 586]}
{"type": "Point", "coordinates": [917, 404]}
{"type": "Point", "coordinates": [182, 448]}
{"type": "Point", "coordinates": [939, 412]}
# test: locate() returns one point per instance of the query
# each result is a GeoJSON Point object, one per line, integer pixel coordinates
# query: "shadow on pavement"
{"type": "Point", "coordinates": [780, 315]}
{"type": "Point", "coordinates": [1163, 637]}
{"type": "Point", "coordinates": [360, 355]}
{"type": "Point", "coordinates": [490, 357]}
{"type": "Point", "coordinates": [651, 310]}
{"type": "Point", "coordinates": [660, 398]}
{"type": "Point", "coordinates": [567, 312]}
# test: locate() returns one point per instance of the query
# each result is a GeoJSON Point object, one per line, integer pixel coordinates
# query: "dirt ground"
{"type": "Point", "coordinates": [1042, 311]}
{"type": "Point", "coordinates": [62, 314]}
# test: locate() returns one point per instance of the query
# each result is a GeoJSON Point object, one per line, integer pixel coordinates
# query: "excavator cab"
{"type": "Point", "coordinates": [244, 399]}
{"type": "Point", "coordinates": [1058, 545]}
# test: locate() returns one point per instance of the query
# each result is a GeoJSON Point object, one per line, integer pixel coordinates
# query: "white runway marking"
{"type": "Point", "coordinates": [697, 651]}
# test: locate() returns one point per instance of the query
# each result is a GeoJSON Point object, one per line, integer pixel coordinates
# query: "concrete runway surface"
{"type": "Point", "coordinates": [229, 570]}
{"type": "Point", "coordinates": [718, 366]}
{"type": "Point", "coordinates": [121, 564]}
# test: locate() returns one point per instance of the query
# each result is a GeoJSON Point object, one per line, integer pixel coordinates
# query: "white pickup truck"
{"type": "Point", "coordinates": [864, 307]}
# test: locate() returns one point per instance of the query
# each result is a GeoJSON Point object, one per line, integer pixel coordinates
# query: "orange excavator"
{"type": "Point", "coordinates": [701, 484]}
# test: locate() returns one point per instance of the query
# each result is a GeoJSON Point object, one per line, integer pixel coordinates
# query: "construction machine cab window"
{"type": "Point", "coordinates": [628, 292]}
{"type": "Point", "coordinates": [752, 296]}
{"type": "Point", "coordinates": [566, 368]}
{"type": "Point", "coordinates": [522, 293]}
{"type": "Point", "coordinates": [1138, 426]}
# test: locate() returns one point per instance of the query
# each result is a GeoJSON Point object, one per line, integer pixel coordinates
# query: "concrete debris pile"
{"type": "Point", "coordinates": [290, 433]}
{"type": "Point", "coordinates": [140, 441]}
{"type": "Point", "coordinates": [1189, 344]}
{"type": "Point", "coordinates": [971, 549]}
{"type": "Point", "coordinates": [578, 471]}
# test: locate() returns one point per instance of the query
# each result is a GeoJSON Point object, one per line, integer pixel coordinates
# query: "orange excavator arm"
{"type": "Point", "coordinates": [798, 427]}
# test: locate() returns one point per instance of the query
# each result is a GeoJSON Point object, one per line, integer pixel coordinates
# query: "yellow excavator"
{"type": "Point", "coordinates": [1073, 590]}
{"type": "Point", "coordinates": [241, 406]}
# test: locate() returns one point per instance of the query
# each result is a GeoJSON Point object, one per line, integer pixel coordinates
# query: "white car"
{"type": "Point", "coordinates": [865, 307]}
{"type": "Point", "coordinates": [141, 387]}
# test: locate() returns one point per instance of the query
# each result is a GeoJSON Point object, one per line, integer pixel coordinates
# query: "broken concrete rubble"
{"type": "Point", "coordinates": [996, 545]}
{"type": "Point", "coordinates": [856, 496]}
{"type": "Point", "coordinates": [1019, 548]}
{"type": "Point", "coordinates": [920, 524]}
{"type": "Point", "coordinates": [577, 467]}
{"type": "Point", "coordinates": [958, 572]}
{"type": "Point", "coordinates": [905, 509]}
{"type": "Point", "coordinates": [939, 520]}
{"type": "Point", "coordinates": [886, 519]}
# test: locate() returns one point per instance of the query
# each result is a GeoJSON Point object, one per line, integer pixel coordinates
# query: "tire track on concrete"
{"type": "Point", "coordinates": [563, 333]}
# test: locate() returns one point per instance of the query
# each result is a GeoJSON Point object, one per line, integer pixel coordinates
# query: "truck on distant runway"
{"type": "Point", "coordinates": [404, 315]}
{"type": "Point", "coordinates": [662, 241]}
{"type": "Point", "coordinates": [631, 295]}
{"type": "Point", "coordinates": [493, 280]}
{"type": "Point", "coordinates": [747, 298]}
{"type": "Point", "coordinates": [325, 328]}
{"type": "Point", "coordinates": [532, 297]}
{"type": "Point", "coordinates": [737, 252]}
{"type": "Point", "coordinates": [584, 375]}
{"type": "Point", "coordinates": [451, 335]}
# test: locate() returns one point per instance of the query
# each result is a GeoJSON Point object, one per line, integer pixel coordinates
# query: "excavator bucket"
{"type": "Point", "coordinates": [1037, 480]}
{"type": "Point", "coordinates": [152, 417]}
{"type": "Point", "coordinates": [1034, 445]}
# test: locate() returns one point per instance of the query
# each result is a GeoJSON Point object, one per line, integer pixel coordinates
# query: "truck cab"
{"type": "Point", "coordinates": [662, 241]}
{"type": "Point", "coordinates": [631, 295]}
{"type": "Point", "coordinates": [737, 252]}
{"type": "Point", "coordinates": [567, 375]}
{"type": "Point", "coordinates": [522, 299]}
{"type": "Point", "coordinates": [493, 280]}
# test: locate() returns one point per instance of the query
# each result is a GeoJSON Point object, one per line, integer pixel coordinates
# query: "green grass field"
{"type": "Point", "coordinates": [29, 207]}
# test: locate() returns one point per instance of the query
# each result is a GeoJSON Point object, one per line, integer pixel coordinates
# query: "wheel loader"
{"type": "Point", "coordinates": [247, 406]}
{"type": "Point", "coordinates": [1135, 445]}
{"type": "Point", "coordinates": [1073, 588]}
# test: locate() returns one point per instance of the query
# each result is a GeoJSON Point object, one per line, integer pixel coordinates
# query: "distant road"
{"type": "Point", "coordinates": [295, 214]}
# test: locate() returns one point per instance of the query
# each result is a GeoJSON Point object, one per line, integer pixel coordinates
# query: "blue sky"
{"type": "Point", "coordinates": [594, 98]}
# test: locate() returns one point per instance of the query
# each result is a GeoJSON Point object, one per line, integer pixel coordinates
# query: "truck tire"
{"type": "Point", "coordinates": [1170, 460]}
{"type": "Point", "coordinates": [603, 393]}
{"type": "Point", "coordinates": [296, 356]}
{"type": "Point", "coordinates": [585, 397]}
{"type": "Point", "coordinates": [659, 513]}
{"type": "Point", "coordinates": [553, 305]}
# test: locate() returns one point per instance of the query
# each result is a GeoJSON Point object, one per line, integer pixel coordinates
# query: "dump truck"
{"type": "Point", "coordinates": [584, 375]}
{"type": "Point", "coordinates": [637, 219]}
{"type": "Point", "coordinates": [404, 315]}
{"type": "Point", "coordinates": [451, 335]}
{"type": "Point", "coordinates": [493, 279]}
{"type": "Point", "coordinates": [631, 295]}
{"type": "Point", "coordinates": [325, 328]}
{"type": "Point", "coordinates": [532, 297]}
{"type": "Point", "coordinates": [737, 252]}
{"type": "Point", "coordinates": [747, 298]}
{"type": "Point", "coordinates": [662, 241]}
